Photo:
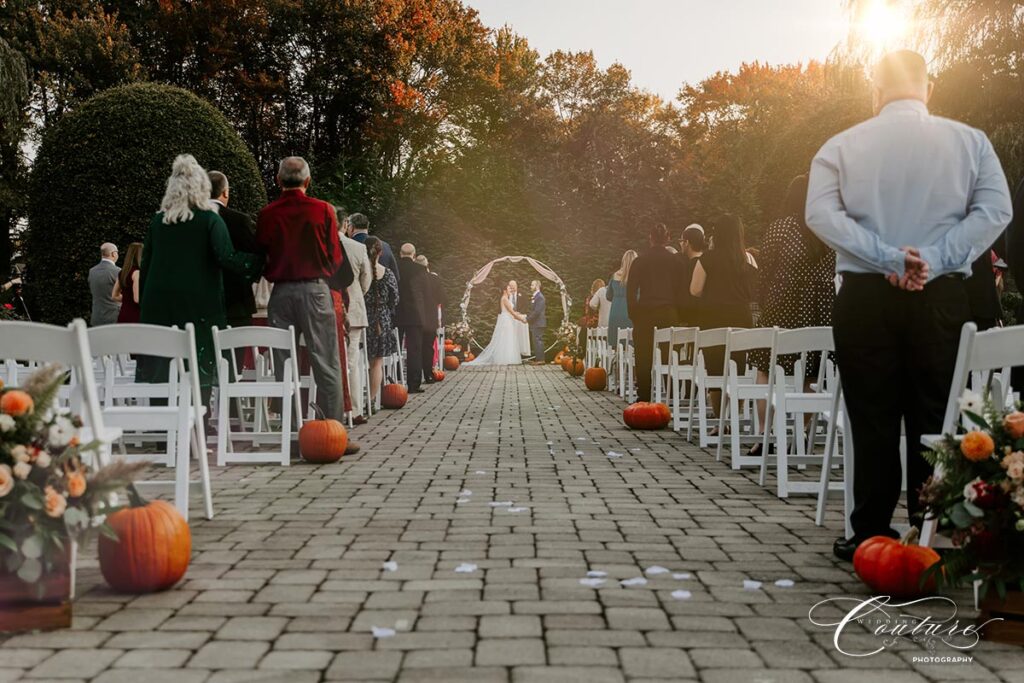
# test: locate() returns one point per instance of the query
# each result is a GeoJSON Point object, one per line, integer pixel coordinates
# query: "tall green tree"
{"type": "Point", "coordinates": [14, 89]}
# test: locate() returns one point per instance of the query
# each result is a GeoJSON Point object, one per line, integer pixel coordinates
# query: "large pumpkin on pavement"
{"type": "Point", "coordinates": [895, 567]}
{"type": "Point", "coordinates": [394, 396]}
{"type": "Point", "coordinates": [451, 363]}
{"type": "Point", "coordinates": [596, 379]}
{"type": "Point", "coordinates": [322, 441]}
{"type": "Point", "coordinates": [152, 550]}
{"type": "Point", "coordinates": [644, 415]}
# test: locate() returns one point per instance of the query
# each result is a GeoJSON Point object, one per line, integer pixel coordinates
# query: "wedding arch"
{"type": "Point", "coordinates": [542, 270]}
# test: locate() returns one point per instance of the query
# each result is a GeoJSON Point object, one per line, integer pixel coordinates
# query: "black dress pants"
{"type": "Point", "coordinates": [644, 321]}
{"type": "Point", "coordinates": [413, 338]}
{"type": "Point", "coordinates": [896, 352]}
{"type": "Point", "coordinates": [427, 354]}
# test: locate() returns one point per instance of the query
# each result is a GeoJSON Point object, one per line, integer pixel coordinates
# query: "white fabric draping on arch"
{"type": "Point", "coordinates": [542, 270]}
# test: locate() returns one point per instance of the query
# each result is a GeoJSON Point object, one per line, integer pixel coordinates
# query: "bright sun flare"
{"type": "Point", "coordinates": [883, 24]}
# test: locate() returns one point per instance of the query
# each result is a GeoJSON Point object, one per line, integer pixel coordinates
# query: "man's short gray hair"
{"type": "Point", "coordinates": [293, 172]}
{"type": "Point", "coordinates": [359, 221]}
{"type": "Point", "coordinates": [422, 260]}
{"type": "Point", "coordinates": [108, 249]}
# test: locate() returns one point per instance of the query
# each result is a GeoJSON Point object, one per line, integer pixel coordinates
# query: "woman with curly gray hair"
{"type": "Point", "coordinates": [186, 249]}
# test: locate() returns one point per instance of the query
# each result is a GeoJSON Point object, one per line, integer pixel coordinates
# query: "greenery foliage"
{"type": "Point", "coordinates": [100, 173]}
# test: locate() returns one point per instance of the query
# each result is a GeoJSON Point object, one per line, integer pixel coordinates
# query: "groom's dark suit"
{"type": "Point", "coordinates": [537, 319]}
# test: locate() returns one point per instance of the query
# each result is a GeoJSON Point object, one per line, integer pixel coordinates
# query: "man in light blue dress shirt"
{"type": "Point", "coordinates": [908, 200]}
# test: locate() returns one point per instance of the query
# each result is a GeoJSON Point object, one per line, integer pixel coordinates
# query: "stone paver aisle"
{"type": "Point", "coordinates": [490, 496]}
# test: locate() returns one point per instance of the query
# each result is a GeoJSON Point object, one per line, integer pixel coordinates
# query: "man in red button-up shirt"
{"type": "Point", "coordinates": [300, 237]}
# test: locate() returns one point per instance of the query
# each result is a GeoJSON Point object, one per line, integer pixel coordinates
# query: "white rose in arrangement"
{"type": "Point", "coordinates": [971, 402]}
{"type": "Point", "coordinates": [20, 453]}
{"type": "Point", "coordinates": [970, 494]}
{"type": "Point", "coordinates": [6, 422]}
{"type": "Point", "coordinates": [22, 470]}
{"type": "Point", "coordinates": [1015, 470]}
{"type": "Point", "coordinates": [61, 432]}
{"type": "Point", "coordinates": [6, 480]}
{"type": "Point", "coordinates": [43, 459]}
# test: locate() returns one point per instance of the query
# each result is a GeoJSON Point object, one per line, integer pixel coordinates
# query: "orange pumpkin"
{"type": "Point", "coordinates": [438, 375]}
{"type": "Point", "coordinates": [894, 568]}
{"type": "Point", "coordinates": [451, 363]}
{"type": "Point", "coordinates": [643, 415]}
{"type": "Point", "coordinates": [448, 344]}
{"type": "Point", "coordinates": [566, 362]}
{"type": "Point", "coordinates": [153, 549]}
{"type": "Point", "coordinates": [394, 396]}
{"type": "Point", "coordinates": [596, 379]}
{"type": "Point", "coordinates": [470, 356]}
{"type": "Point", "coordinates": [322, 441]}
{"type": "Point", "coordinates": [576, 367]}
{"type": "Point", "coordinates": [16, 403]}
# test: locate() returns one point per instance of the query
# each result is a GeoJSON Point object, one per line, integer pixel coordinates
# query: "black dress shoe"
{"type": "Point", "coordinates": [844, 548]}
{"type": "Point", "coordinates": [417, 390]}
{"type": "Point", "coordinates": [430, 380]}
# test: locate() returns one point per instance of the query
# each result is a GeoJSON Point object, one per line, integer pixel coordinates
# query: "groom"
{"type": "Point", "coordinates": [537, 321]}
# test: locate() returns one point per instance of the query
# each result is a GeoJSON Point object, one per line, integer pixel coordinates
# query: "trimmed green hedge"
{"type": "Point", "coordinates": [100, 173]}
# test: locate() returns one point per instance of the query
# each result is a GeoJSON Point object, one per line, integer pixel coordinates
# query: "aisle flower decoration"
{"type": "Point", "coordinates": [461, 332]}
{"type": "Point", "coordinates": [568, 335]}
{"type": "Point", "coordinates": [978, 499]}
{"type": "Point", "coordinates": [48, 494]}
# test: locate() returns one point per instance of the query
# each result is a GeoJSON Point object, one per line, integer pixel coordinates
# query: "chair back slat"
{"type": "Point", "coordinates": [150, 340]}
{"type": "Point", "coordinates": [262, 337]}
{"type": "Point", "coordinates": [712, 338]}
{"type": "Point", "coordinates": [804, 340]}
{"type": "Point", "coordinates": [748, 340]}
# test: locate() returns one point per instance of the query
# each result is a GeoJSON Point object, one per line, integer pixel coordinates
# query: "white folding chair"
{"type": "Point", "coordinates": [364, 368]}
{"type": "Point", "coordinates": [588, 352]}
{"type": "Point", "coordinates": [838, 434]}
{"type": "Point", "coordinates": [626, 362]}
{"type": "Point", "coordinates": [789, 404]}
{"type": "Point", "coordinates": [704, 383]}
{"type": "Point", "coordinates": [983, 356]}
{"type": "Point", "coordinates": [660, 365]}
{"type": "Point", "coordinates": [682, 345]}
{"type": "Point", "coordinates": [180, 413]}
{"type": "Point", "coordinates": [739, 415]}
{"type": "Point", "coordinates": [260, 389]}
{"type": "Point", "coordinates": [602, 353]}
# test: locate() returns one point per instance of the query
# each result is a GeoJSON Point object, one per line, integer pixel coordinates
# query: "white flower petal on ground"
{"type": "Point", "coordinates": [593, 582]}
{"type": "Point", "coordinates": [382, 631]}
{"type": "Point", "coordinates": [751, 585]}
{"type": "Point", "coordinates": [465, 492]}
{"type": "Point", "coordinates": [613, 454]}
{"type": "Point", "coordinates": [681, 595]}
{"type": "Point", "coordinates": [460, 501]}
{"type": "Point", "coordinates": [480, 472]}
{"type": "Point", "coordinates": [596, 573]}
{"type": "Point", "coordinates": [579, 452]}
{"type": "Point", "coordinates": [390, 566]}
{"type": "Point", "coordinates": [518, 509]}
{"type": "Point", "coordinates": [637, 581]}
{"type": "Point", "coordinates": [634, 450]}
{"type": "Point", "coordinates": [655, 570]}
{"type": "Point", "coordinates": [784, 583]}
{"type": "Point", "coordinates": [500, 503]}
{"type": "Point", "coordinates": [465, 568]}
{"type": "Point", "coordinates": [681, 576]}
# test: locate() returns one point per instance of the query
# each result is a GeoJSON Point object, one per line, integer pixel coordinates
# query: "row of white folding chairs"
{"type": "Point", "coordinates": [625, 364]}
{"type": "Point", "coordinates": [124, 408]}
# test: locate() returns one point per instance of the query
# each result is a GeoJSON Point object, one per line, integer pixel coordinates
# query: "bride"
{"type": "Point", "coordinates": [504, 348]}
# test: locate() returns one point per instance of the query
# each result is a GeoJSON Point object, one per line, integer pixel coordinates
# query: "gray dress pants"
{"type": "Point", "coordinates": [308, 306]}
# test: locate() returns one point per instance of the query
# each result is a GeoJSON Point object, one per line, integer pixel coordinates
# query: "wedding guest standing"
{"type": "Point", "coordinates": [615, 292]}
{"type": "Point", "coordinates": [356, 314]}
{"type": "Point", "coordinates": [126, 287]}
{"type": "Point", "coordinates": [592, 312]}
{"type": "Point", "coordinates": [654, 293]}
{"type": "Point", "coordinates": [797, 275]}
{"type": "Point", "coordinates": [599, 302]}
{"type": "Point", "coordinates": [908, 201]}
{"type": "Point", "coordinates": [239, 299]}
{"type": "Point", "coordinates": [692, 248]}
{"type": "Point", "coordinates": [102, 277]}
{"type": "Point", "coordinates": [721, 285]}
{"type": "Point", "coordinates": [381, 303]}
{"type": "Point", "coordinates": [432, 307]}
{"type": "Point", "coordinates": [983, 293]}
{"type": "Point", "coordinates": [300, 236]}
{"type": "Point", "coordinates": [339, 283]}
{"type": "Point", "coordinates": [361, 231]}
{"type": "Point", "coordinates": [412, 315]}
{"type": "Point", "coordinates": [185, 253]}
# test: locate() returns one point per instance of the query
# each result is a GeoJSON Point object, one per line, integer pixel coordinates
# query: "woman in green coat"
{"type": "Point", "coordinates": [186, 250]}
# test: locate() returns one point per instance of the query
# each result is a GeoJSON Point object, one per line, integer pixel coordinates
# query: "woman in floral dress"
{"type": "Point", "coordinates": [381, 301]}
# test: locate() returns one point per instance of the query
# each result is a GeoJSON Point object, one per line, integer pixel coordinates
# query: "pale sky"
{"type": "Point", "coordinates": [665, 43]}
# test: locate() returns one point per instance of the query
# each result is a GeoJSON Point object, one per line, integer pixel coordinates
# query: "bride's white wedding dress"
{"type": "Point", "coordinates": [505, 346]}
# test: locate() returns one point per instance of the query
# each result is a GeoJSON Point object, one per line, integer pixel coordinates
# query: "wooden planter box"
{"type": "Point", "coordinates": [22, 608]}
{"type": "Point", "coordinates": [1011, 610]}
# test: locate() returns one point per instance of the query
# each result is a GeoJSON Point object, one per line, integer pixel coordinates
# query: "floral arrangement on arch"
{"type": "Point", "coordinates": [460, 332]}
{"type": "Point", "coordinates": [48, 494]}
{"type": "Point", "coordinates": [978, 499]}
{"type": "Point", "coordinates": [9, 312]}
{"type": "Point", "coordinates": [568, 335]}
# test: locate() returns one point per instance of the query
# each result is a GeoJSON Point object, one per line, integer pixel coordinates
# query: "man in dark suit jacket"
{"type": "Point", "coordinates": [411, 317]}
{"type": "Point", "coordinates": [537, 319]}
{"type": "Point", "coordinates": [239, 301]}
{"type": "Point", "coordinates": [360, 225]}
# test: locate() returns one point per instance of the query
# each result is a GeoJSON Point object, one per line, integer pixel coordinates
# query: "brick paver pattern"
{"type": "Point", "coordinates": [452, 549]}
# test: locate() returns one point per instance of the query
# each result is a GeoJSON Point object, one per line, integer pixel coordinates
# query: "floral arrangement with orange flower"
{"type": "Point", "coordinates": [978, 499]}
{"type": "Point", "coordinates": [48, 494]}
